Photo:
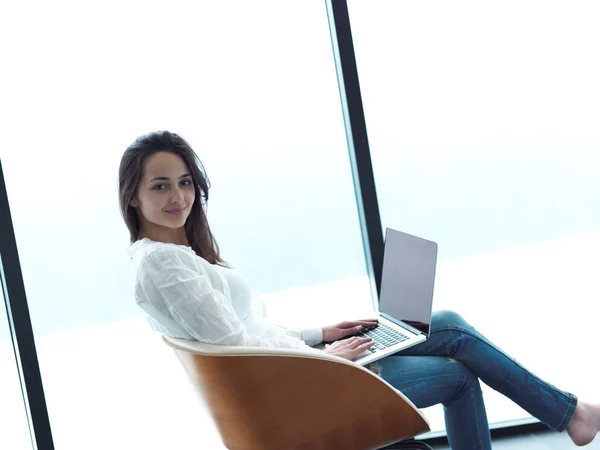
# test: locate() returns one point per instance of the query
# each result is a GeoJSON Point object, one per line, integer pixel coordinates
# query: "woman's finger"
{"type": "Point", "coordinates": [354, 329]}
{"type": "Point", "coordinates": [361, 348]}
{"type": "Point", "coordinates": [365, 323]}
{"type": "Point", "coordinates": [361, 341]}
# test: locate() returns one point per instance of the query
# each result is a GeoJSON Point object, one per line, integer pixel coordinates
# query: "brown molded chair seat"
{"type": "Point", "coordinates": [282, 399]}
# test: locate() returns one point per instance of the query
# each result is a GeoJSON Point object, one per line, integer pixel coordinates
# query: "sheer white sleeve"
{"type": "Point", "coordinates": [312, 336]}
{"type": "Point", "coordinates": [171, 280]}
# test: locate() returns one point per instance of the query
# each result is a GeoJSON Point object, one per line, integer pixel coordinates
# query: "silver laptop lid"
{"type": "Point", "coordinates": [407, 279]}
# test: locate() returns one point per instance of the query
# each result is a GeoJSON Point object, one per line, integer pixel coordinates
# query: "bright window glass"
{"type": "Point", "coordinates": [483, 127]}
{"type": "Point", "coordinates": [252, 86]}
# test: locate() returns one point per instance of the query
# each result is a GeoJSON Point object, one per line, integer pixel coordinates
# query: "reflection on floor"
{"type": "Point", "coordinates": [540, 440]}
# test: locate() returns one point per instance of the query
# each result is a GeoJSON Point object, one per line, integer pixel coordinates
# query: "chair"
{"type": "Point", "coordinates": [281, 399]}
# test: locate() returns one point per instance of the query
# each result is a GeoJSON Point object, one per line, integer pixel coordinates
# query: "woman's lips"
{"type": "Point", "coordinates": [176, 212]}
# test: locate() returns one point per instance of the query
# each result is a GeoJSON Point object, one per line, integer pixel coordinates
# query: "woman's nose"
{"type": "Point", "coordinates": [176, 196]}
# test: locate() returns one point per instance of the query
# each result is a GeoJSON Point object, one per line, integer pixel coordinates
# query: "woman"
{"type": "Point", "coordinates": [189, 292]}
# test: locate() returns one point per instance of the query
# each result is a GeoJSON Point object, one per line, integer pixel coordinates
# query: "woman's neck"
{"type": "Point", "coordinates": [166, 235]}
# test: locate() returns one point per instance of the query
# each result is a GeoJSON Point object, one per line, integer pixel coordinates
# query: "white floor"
{"type": "Point", "coordinates": [542, 440]}
{"type": "Point", "coordinates": [118, 386]}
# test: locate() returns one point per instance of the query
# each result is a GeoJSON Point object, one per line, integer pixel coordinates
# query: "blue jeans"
{"type": "Point", "coordinates": [447, 368]}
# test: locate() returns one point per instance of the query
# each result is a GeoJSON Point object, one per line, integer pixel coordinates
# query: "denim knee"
{"type": "Point", "coordinates": [464, 379]}
{"type": "Point", "coordinates": [447, 317]}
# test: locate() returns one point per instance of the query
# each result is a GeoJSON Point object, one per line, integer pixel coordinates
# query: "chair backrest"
{"type": "Point", "coordinates": [273, 399]}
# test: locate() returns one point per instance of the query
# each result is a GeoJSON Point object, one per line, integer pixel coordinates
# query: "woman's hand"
{"type": "Point", "coordinates": [349, 348]}
{"type": "Point", "coordinates": [343, 329]}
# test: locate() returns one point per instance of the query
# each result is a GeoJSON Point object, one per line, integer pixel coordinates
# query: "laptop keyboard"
{"type": "Point", "coordinates": [383, 337]}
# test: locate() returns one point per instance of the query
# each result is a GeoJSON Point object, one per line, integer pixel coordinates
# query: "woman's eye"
{"type": "Point", "coordinates": [159, 187]}
{"type": "Point", "coordinates": [186, 182]}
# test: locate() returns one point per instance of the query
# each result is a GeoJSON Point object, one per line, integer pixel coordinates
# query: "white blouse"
{"type": "Point", "coordinates": [184, 296]}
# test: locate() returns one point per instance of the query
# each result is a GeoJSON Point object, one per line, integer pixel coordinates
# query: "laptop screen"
{"type": "Point", "coordinates": [407, 279]}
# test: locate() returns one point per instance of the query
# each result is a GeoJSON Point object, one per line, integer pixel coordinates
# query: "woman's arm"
{"type": "Point", "coordinates": [311, 336]}
{"type": "Point", "coordinates": [169, 277]}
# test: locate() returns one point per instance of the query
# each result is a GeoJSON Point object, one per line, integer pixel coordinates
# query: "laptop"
{"type": "Point", "coordinates": [406, 298]}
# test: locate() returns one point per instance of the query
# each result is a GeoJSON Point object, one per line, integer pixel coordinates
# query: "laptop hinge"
{"type": "Point", "coordinates": [402, 324]}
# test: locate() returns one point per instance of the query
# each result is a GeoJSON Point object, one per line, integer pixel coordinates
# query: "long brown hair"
{"type": "Point", "coordinates": [197, 230]}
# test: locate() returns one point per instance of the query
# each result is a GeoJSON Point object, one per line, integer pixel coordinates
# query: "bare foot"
{"type": "Point", "coordinates": [585, 424]}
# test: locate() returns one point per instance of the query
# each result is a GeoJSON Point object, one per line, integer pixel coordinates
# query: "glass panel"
{"type": "Point", "coordinates": [483, 124]}
{"type": "Point", "coordinates": [256, 95]}
{"type": "Point", "coordinates": [13, 416]}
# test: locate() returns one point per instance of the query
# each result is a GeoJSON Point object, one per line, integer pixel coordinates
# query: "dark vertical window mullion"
{"type": "Point", "coordinates": [358, 143]}
{"type": "Point", "coordinates": [21, 330]}
{"type": "Point", "coordinates": [364, 180]}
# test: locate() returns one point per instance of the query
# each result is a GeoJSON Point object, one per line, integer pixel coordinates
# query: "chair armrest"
{"type": "Point", "coordinates": [212, 349]}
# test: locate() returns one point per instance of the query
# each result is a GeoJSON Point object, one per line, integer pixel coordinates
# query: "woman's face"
{"type": "Point", "coordinates": [165, 194]}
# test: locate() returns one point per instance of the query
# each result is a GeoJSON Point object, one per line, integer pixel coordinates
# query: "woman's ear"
{"type": "Point", "coordinates": [134, 203]}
